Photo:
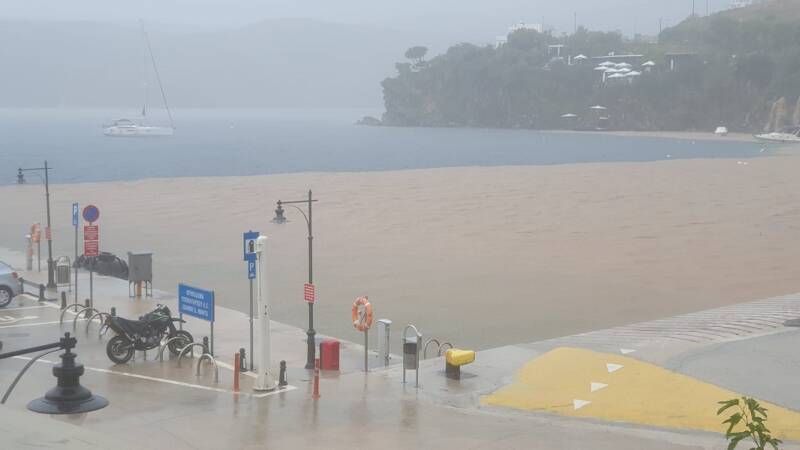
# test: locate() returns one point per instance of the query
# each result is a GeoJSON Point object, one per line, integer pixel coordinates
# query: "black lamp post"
{"type": "Point", "coordinates": [279, 218]}
{"type": "Point", "coordinates": [51, 281]}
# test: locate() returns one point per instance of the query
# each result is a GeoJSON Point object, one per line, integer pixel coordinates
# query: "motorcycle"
{"type": "Point", "coordinates": [145, 334]}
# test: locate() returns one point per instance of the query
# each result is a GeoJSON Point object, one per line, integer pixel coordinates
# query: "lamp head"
{"type": "Point", "coordinates": [279, 217]}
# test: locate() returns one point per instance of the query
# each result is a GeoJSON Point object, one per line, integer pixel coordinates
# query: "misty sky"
{"type": "Point", "coordinates": [461, 19]}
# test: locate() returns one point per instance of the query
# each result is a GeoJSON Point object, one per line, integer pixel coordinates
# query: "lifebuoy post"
{"type": "Point", "coordinates": [361, 314]}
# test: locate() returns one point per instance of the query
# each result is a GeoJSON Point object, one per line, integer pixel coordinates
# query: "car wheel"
{"type": "Point", "coordinates": [6, 294]}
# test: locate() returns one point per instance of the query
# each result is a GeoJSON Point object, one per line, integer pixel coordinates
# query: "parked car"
{"type": "Point", "coordinates": [10, 285]}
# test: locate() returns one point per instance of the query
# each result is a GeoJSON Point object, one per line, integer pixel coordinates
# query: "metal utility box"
{"type": "Point", "coordinates": [140, 267]}
{"type": "Point", "coordinates": [140, 272]}
{"type": "Point", "coordinates": [384, 350]}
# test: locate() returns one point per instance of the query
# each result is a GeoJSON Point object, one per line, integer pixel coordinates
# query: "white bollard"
{"type": "Point", "coordinates": [265, 381]}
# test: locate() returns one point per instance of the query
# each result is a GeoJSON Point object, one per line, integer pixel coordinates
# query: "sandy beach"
{"type": "Point", "coordinates": [477, 256]}
{"type": "Point", "coordinates": [684, 135]}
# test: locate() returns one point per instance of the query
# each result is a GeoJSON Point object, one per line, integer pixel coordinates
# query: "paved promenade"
{"type": "Point", "coordinates": [651, 385]}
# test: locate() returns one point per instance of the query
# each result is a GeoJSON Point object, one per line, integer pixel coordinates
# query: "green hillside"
{"type": "Point", "coordinates": [740, 68]}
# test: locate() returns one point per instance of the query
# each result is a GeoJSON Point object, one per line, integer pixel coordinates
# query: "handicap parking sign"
{"type": "Point", "coordinates": [249, 241]}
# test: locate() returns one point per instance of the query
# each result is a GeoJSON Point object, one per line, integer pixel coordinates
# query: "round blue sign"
{"type": "Point", "coordinates": [91, 213]}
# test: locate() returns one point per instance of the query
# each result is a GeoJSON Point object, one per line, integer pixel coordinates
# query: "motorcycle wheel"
{"type": "Point", "coordinates": [119, 350]}
{"type": "Point", "coordinates": [176, 345]}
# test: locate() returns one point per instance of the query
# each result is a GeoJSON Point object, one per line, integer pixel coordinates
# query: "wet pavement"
{"type": "Point", "coordinates": [159, 404]}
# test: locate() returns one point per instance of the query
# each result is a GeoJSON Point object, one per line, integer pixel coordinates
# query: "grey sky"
{"type": "Point", "coordinates": [461, 19]}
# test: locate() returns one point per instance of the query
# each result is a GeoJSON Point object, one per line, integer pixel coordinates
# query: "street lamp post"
{"type": "Point", "coordinates": [279, 218]}
{"type": "Point", "coordinates": [51, 282]}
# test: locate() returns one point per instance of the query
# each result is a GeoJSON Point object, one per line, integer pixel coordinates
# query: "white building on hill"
{"type": "Point", "coordinates": [741, 3]}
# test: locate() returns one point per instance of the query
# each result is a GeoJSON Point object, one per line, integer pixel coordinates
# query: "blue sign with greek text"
{"type": "Point", "coordinates": [196, 302]}
{"type": "Point", "coordinates": [74, 214]}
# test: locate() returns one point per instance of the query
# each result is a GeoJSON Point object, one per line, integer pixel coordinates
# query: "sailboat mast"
{"type": "Point", "coordinates": [158, 76]}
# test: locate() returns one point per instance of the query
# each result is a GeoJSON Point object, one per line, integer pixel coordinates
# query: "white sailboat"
{"type": "Point", "coordinates": [787, 136]}
{"type": "Point", "coordinates": [138, 128]}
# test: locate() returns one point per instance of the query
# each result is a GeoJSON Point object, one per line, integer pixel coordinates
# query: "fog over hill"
{"type": "Point", "coordinates": [290, 62]}
{"type": "Point", "coordinates": [246, 53]}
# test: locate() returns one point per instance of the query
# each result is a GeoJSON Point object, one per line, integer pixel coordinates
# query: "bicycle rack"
{"type": "Point", "coordinates": [102, 322]}
{"type": "Point", "coordinates": [439, 346]}
{"type": "Point", "coordinates": [64, 311]}
{"type": "Point", "coordinates": [207, 356]}
{"type": "Point", "coordinates": [189, 347]}
{"type": "Point", "coordinates": [164, 346]}
{"type": "Point", "coordinates": [425, 348]}
{"type": "Point", "coordinates": [81, 311]}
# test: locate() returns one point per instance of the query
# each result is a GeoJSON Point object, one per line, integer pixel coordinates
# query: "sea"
{"type": "Point", "coordinates": [242, 142]}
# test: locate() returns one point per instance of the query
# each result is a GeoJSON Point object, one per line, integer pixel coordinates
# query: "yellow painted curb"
{"type": "Point", "coordinates": [583, 383]}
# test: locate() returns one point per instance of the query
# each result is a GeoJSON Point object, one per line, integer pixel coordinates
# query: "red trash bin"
{"type": "Point", "coordinates": [329, 354]}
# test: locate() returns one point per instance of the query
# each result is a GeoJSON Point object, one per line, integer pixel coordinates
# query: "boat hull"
{"type": "Point", "coordinates": [137, 131]}
{"type": "Point", "coordinates": [778, 138]}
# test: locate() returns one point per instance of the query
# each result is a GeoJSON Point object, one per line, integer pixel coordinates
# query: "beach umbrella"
{"type": "Point", "coordinates": [616, 75]}
{"type": "Point", "coordinates": [649, 64]}
{"type": "Point", "coordinates": [603, 68]}
{"type": "Point", "coordinates": [569, 116]}
{"type": "Point", "coordinates": [598, 108]}
{"type": "Point", "coordinates": [580, 58]}
{"type": "Point", "coordinates": [607, 63]}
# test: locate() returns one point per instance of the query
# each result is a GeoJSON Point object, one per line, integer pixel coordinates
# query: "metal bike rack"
{"type": "Point", "coordinates": [102, 322]}
{"type": "Point", "coordinates": [207, 356]}
{"type": "Point", "coordinates": [64, 311]}
{"type": "Point", "coordinates": [165, 345]}
{"type": "Point", "coordinates": [425, 348]}
{"type": "Point", "coordinates": [189, 347]}
{"type": "Point", "coordinates": [411, 352]}
{"type": "Point", "coordinates": [439, 347]}
{"type": "Point", "coordinates": [81, 311]}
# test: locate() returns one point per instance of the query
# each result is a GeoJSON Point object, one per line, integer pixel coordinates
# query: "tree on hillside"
{"type": "Point", "coordinates": [417, 54]}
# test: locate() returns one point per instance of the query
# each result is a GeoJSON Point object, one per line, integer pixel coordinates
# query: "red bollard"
{"type": "Point", "coordinates": [315, 395]}
{"type": "Point", "coordinates": [236, 370]}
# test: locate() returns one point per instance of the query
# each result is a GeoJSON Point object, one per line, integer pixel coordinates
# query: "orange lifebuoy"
{"type": "Point", "coordinates": [361, 314]}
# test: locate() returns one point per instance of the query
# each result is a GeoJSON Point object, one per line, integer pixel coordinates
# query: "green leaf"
{"type": "Point", "coordinates": [727, 404]}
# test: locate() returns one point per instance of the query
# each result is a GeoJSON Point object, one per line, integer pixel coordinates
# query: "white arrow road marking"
{"type": "Point", "coordinates": [625, 351]}
{"type": "Point", "coordinates": [578, 404]}
{"type": "Point", "coordinates": [597, 386]}
{"type": "Point", "coordinates": [613, 367]}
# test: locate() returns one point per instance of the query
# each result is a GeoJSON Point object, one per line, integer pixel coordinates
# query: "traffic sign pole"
{"type": "Point", "coordinates": [249, 240]}
{"type": "Point", "coordinates": [252, 367]}
{"type": "Point", "coordinates": [75, 225]}
{"type": "Point", "coordinates": [91, 242]}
